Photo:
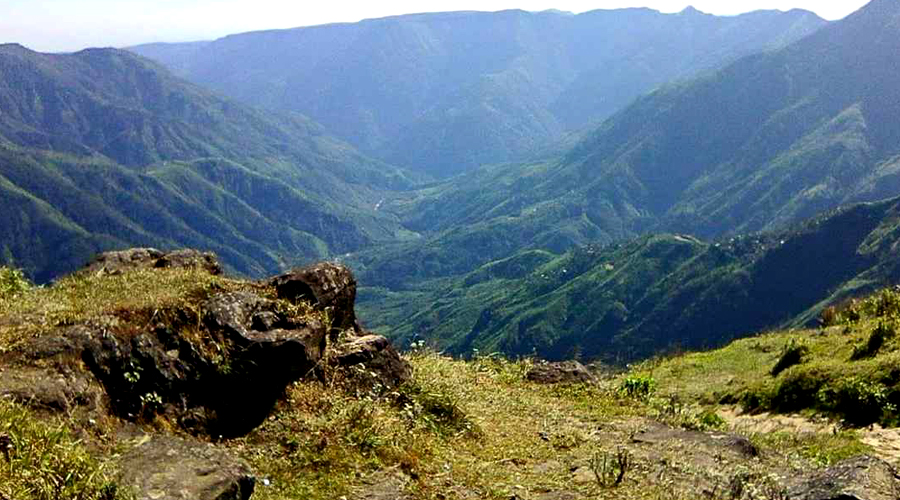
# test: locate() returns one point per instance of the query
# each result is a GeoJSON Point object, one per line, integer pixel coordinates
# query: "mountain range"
{"type": "Point", "coordinates": [444, 93]}
{"type": "Point", "coordinates": [104, 149]}
{"type": "Point", "coordinates": [766, 142]}
{"type": "Point", "coordinates": [757, 148]}
{"type": "Point", "coordinates": [675, 221]}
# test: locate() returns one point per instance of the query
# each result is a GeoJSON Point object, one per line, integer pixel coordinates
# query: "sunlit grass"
{"type": "Point", "coordinates": [83, 297]}
{"type": "Point", "coordinates": [41, 460]}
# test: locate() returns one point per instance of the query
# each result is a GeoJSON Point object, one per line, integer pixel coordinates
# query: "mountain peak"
{"type": "Point", "coordinates": [690, 10]}
{"type": "Point", "coordinates": [14, 47]}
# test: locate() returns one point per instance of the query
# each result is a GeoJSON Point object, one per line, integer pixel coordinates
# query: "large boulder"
{"type": "Point", "coordinates": [145, 258]}
{"type": "Point", "coordinates": [860, 478]}
{"type": "Point", "coordinates": [328, 286]}
{"type": "Point", "coordinates": [216, 366]}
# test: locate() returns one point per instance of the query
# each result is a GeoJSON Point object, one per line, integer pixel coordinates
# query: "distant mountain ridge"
{"type": "Point", "coordinates": [768, 141]}
{"type": "Point", "coordinates": [442, 93]}
{"type": "Point", "coordinates": [103, 149]}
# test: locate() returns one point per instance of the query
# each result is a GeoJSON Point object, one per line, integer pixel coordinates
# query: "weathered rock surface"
{"type": "Point", "coordinates": [860, 478]}
{"type": "Point", "coordinates": [40, 374]}
{"type": "Point", "coordinates": [242, 347]}
{"type": "Point", "coordinates": [137, 258]}
{"type": "Point", "coordinates": [246, 350]}
{"type": "Point", "coordinates": [657, 433]}
{"type": "Point", "coordinates": [328, 286]}
{"type": "Point", "coordinates": [384, 485]}
{"type": "Point", "coordinates": [377, 360]}
{"type": "Point", "coordinates": [169, 468]}
{"type": "Point", "coordinates": [566, 372]}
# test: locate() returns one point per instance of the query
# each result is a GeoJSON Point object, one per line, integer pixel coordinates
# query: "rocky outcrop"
{"type": "Point", "coordinates": [860, 478]}
{"type": "Point", "coordinates": [566, 372]}
{"type": "Point", "coordinates": [142, 258]}
{"type": "Point", "coordinates": [328, 286]}
{"type": "Point", "coordinates": [169, 468]}
{"type": "Point", "coordinates": [215, 364]}
{"type": "Point", "coordinates": [245, 348]}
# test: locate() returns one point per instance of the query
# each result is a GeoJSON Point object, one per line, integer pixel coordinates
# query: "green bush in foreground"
{"type": "Point", "coordinates": [12, 282]}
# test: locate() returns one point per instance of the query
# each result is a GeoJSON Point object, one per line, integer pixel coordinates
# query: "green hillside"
{"type": "Point", "coordinates": [655, 293]}
{"type": "Point", "coordinates": [768, 141]}
{"type": "Point", "coordinates": [103, 149]}
{"type": "Point", "coordinates": [443, 93]}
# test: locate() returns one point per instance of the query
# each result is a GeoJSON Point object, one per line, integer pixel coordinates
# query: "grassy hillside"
{"type": "Point", "coordinates": [103, 149]}
{"type": "Point", "coordinates": [443, 93]}
{"type": "Point", "coordinates": [479, 429]}
{"type": "Point", "coordinates": [649, 294]}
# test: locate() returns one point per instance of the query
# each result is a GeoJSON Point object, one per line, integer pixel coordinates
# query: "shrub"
{"type": "Point", "coordinates": [637, 387]}
{"type": "Point", "coordinates": [876, 340]}
{"type": "Point", "coordinates": [437, 409]}
{"type": "Point", "coordinates": [792, 354]}
{"type": "Point", "coordinates": [859, 401]}
{"type": "Point", "coordinates": [609, 470]}
{"type": "Point", "coordinates": [797, 390]}
{"type": "Point", "coordinates": [12, 282]}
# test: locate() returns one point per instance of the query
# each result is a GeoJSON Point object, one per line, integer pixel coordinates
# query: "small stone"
{"type": "Point", "coordinates": [566, 372]}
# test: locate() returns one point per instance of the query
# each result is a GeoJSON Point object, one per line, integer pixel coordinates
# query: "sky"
{"type": "Point", "coordinates": [69, 25]}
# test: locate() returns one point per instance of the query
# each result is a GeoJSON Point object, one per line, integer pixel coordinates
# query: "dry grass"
{"type": "Point", "coordinates": [82, 298]}
{"type": "Point", "coordinates": [466, 430]}
{"type": "Point", "coordinates": [41, 460]}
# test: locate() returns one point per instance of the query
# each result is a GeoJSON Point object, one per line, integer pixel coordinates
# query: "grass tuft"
{"type": "Point", "coordinates": [41, 460]}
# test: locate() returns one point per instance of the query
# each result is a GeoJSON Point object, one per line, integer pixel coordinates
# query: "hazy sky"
{"type": "Point", "coordinates": [63, 25]}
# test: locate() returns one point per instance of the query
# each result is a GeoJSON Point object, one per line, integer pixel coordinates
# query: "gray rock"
{"type": "Point", "coordinates": [384, 485]}
{"type": "Point", "coordinates": [327, 286]}
{"type": "Point", "coordinates": [566, 372]}
{"type": "Point", "coordinates": [168, 468]}
{"type": "Point", "coordinates": [144, 258]}
{"type": "Point", "coordinates": [860, 478]}
{"type": "Point", "coordinates": [558, 495]}
{"type": "Point", "coordinates": [377, 358]}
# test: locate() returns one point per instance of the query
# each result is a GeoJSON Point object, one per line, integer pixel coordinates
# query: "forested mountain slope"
{"type": "Point", "coordinates": [634, 299]}
{"type": "Point", "coordinates": [103, 148]}
{"type": "Point", "coordinates": [768, 141]}
{"type": "Point", "coordinates": [446, 92]}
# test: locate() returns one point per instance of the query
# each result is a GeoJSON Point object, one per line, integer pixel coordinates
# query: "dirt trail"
{"type": "Point", "coordinates": [885, 442]}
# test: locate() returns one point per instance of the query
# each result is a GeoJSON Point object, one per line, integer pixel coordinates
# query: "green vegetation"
{"type": "Point", "coordinates": [459, 428]}
{"type": "Point", "coordinates": [131, 156]}
{"type": "Point", "coordinates": [80, 298]}
{"type": "Point", "coordinates": [833, 378]}
{"type": "Point", "coordinates": [12, 282]}
{"type": "Point", "coordinates": [41, 460]}
{"type": "Point", "coordinates": [769, 141]}
{"type": "Point", "coordinates": [791, 354]}
{"type": "Point", "coordinates": [651, 294]}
